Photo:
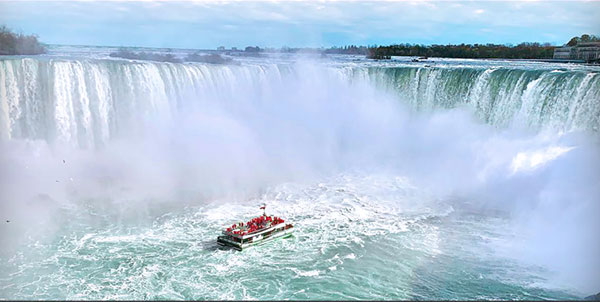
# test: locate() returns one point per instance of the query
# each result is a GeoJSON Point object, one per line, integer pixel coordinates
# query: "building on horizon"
{"type": "Point", "coordinates": [587, 51]}
{"type": "Point", "coordinates": [563, 53]}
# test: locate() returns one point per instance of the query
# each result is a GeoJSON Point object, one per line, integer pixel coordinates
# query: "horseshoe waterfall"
{"type": "Point", "coordinates": [468, 179]}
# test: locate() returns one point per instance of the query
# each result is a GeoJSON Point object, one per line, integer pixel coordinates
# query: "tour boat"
{"type": "Point", "coordinates": [257, 231]}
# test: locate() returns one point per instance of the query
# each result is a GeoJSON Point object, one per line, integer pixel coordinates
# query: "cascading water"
{"type": "Point", "coordinates": [86, 102]}
{"type": "Point", "coordinates": [463, 179]}
{"type": "Point", "coordinates": [560, 99]}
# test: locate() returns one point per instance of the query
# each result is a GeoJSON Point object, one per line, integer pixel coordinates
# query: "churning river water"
{"type": "Point", "coordinates": [446, 179]}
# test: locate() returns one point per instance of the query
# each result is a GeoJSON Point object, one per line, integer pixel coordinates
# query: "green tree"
{"type": "Point", "coordinates": [573, 41]}
{"type": "Point", "coordinates": [585, 38]}
{"type": "Point", "coordinates": [19, 44]}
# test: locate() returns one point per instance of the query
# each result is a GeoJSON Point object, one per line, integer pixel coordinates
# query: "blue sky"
{"type": "Point", "coordinates": [208, 24]}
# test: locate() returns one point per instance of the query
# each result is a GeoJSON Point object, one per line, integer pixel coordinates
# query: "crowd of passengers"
{"type": "Point", "coordinates": [254, 225]}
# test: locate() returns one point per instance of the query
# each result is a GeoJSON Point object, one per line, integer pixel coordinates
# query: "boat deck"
{"type": "Point", "coordinates": [256, 231]}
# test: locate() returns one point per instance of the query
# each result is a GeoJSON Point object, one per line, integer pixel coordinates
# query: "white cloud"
{"type": "Point", "coordinates": [306, 23]}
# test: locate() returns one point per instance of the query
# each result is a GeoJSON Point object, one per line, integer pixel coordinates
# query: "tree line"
{"type": "Point", "coordinates": [583, 39]}
{"type": "Point", "coordinates": [477, 51]}
{"type": "Point", "coordinates": [19, 44]}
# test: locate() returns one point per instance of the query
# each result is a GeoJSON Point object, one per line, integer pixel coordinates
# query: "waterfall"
{"type": "Point", "coordinates": [87, 102]}
{"type": "Point", "coordinates": [564, 100]}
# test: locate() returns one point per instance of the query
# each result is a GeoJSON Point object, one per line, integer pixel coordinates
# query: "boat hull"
{"type": "Point", "coordinates": [226, 241]}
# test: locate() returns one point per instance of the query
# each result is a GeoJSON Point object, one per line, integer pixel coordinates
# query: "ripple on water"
{"type": "Point", "coordinates": [357, 237]}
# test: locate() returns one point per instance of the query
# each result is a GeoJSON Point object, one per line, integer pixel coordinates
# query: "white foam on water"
{"type": "Point", "coordinates": [163, 156]}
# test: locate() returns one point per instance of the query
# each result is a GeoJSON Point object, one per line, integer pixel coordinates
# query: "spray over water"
{"type": "Point", "coordinates": [468, 181]}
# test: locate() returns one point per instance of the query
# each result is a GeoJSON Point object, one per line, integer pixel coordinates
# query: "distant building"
{"type": "Point", "coordinates": [563, 53]}
{"type": "Point", "coordinates": [234, 49]}
{"type": "Point", "coordinates": [588, 51]}
{"type": "Point", "coordinates": [221, 48]}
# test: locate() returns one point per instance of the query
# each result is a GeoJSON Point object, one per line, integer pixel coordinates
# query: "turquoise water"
{"type": "Point", "coordinates": [347, 246]}
{"type": "Point", "coordinates": [462, 179]}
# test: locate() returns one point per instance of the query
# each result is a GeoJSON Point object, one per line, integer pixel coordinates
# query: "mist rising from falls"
{"type": "Point", "coordinates": [86, 103]}
{"type": "Point", "coordinates": [133, 133]}
{"type": "Point", "coordinates": [501, 96]}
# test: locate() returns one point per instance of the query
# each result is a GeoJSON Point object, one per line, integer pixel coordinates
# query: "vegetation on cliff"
{"type": "Point", "coordinates": [477, 51]}
{"type": "Point", "coordinates": [583, 39]}
{"type": "Point", "coordinates": [19, 44]}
